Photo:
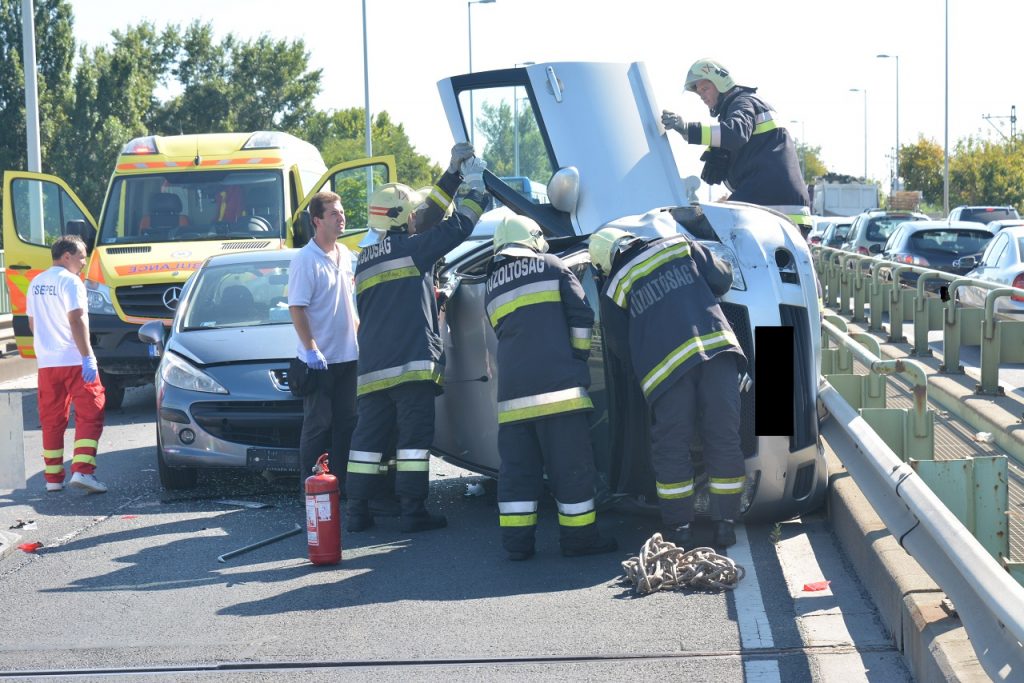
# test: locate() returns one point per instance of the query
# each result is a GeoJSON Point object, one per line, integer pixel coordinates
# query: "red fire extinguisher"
{"type": "Point", "coordinates": [323, 521]}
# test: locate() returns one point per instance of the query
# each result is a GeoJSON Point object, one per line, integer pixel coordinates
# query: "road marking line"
{"type": "Point", "coordinates": [761, 671]}
{"type": "Point", "coordinates": [755, 631]}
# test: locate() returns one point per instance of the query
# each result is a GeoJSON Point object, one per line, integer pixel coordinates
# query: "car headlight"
{"type": "Point", "coordinates": [728, 255]}
{"type": "Point", "coordinates": [178, 372]}
{"type": "Point", "coordinates": [98, 299]}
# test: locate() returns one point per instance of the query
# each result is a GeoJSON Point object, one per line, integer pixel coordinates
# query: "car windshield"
{"type": "Point", "coordinates": [194, 205]}
{"type": "Point", "coordinates": [988, 215]}
{"type": "Point", "coordinates": [879, 229]}
{"type": "Point", "coordinates": [239, 295]}
{"type": "Point", "coordinates": [955, 242]}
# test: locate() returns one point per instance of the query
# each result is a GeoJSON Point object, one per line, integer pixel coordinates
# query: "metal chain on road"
{"type": "Point", "coordinates": [663, 565]}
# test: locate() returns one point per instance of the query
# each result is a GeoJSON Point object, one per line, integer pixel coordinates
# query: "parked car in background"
{"type": "Point", "coordinates": [836, 232]}
{"type": "Point", "coordinates": [983, 214]}
{"type": "Point", "coordinates": [996, 226]}
{"type": "Point", "coordinates": [935, 244]}
{"type": "Point", "coordinates": [818, 225]}
{"type": "Point", "coordinates": [222, 397]}
{"type": "Point", "coordinates": [1003, 263]}
{"type": "Point", "coordinates": [619, 171]}
{"type": "Point", "coordinates": [872, 228]}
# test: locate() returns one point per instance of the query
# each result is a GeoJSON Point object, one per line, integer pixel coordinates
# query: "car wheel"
{"type": "Point", "coordinates": [113, 389]}
{"type": "Point", "coordinates": [173, 478]}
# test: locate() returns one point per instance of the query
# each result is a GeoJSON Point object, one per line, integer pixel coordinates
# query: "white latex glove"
{"type": "Point", "coordinates": [314, 360]}
{"type": "Point", "coordinates": [473, 173]}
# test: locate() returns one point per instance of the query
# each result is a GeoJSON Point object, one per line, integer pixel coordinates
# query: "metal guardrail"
{"type": "Point", "coordinates": [847, 288]}
{"type": "Point", "coordinates": [989, 601]}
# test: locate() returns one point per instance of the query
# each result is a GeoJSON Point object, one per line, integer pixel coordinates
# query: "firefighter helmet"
{"type": "Point", "coordinates": [516, 229]}
{"type": "Point", "coordinates": [390, 206]}
{"type": "Point", "coordinates": [605, 244]}
{"type": "Point", "coordinates": [709, 70]}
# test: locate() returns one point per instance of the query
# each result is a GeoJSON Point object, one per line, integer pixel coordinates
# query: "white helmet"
{"type": "Point", "coordinates": [709, 70]}
{"type": "Point", "coordinates": [605, 244]}
{"type": "Point", "coordinates": [389, 208]}
{"type": "Point", "coordinates": [516, 229]}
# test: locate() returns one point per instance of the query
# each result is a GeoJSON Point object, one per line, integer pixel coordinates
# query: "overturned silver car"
{"type": "Point", "coordinates": [592, 133]}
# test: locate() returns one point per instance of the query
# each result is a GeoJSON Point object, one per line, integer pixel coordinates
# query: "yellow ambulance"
{"type": "Point", "coordinates": [171, 202]}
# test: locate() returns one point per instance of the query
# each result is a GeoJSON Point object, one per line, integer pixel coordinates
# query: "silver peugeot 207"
{"type": "Point", "coordinates": [222, 394]}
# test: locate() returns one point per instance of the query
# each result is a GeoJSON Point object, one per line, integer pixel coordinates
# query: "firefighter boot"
{"type": "Point", "coordinates": [681, 536]}
{"type": "Point", "coordinates": [596, 546]}
{"type": "Point", "coordinates": [416, 518]}
{"type": "Point", "coordinates": [357, 515]}
{"type": "Point", "coordinates": [725, 534]}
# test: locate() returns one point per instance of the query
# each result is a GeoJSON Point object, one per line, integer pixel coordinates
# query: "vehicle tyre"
{"type": "Point", "coordinates": [114, 391]}
{"type": "Point", "coordinates": [173, 478]}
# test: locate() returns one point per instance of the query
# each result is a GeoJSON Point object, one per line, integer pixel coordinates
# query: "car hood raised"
{"type": "Point", "coordinates": [235, 344]}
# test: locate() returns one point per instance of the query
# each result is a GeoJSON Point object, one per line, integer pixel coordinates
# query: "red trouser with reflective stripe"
{"type": "Point", "coordinates": [59, 389]}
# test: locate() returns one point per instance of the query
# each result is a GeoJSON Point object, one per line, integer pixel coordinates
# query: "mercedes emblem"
{"type": "Point", "coordinates": [171, 297]}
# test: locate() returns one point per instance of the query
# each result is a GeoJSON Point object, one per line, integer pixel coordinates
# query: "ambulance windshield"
{"type": "Point", "coordinates": [194, 205]}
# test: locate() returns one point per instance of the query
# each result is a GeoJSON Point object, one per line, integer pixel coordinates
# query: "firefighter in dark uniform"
{"type": "Point", "coordinates": [401, 364]}
{"type": "Point", "coordinates": [747, 150]}
{"type": "Point", "coordinates": [543, 323]}
{"type": "Point", "coordinates": [659, 314]}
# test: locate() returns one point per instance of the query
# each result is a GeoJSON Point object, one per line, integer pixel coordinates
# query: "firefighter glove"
{"type": "Point", "coordinates": [314, 359]}
{"type": "Point", "coordinates": [473, 173]}
{"type": "Point", "coordinates": [460, 153]}
{"type": "Point", "coordinates": [716, 165]}
{"type": "Point", "coordinates": [89, 369]}
{"type": "Point", "coordinates": [671, 120]}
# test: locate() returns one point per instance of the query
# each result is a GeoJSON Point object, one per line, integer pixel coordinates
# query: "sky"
{"type": "Point", "coordinates": [804, 56]}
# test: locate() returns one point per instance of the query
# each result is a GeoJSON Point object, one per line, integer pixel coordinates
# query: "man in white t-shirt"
{"type": "Point", "coordinates": [323, 311]}
{"type": "Point", "coordinates": [68, 375]}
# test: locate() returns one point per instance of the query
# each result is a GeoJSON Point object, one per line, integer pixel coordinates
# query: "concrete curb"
{"type": "Point", "coordinates": [934, 644]}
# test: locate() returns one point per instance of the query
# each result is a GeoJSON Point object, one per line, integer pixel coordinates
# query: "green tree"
{"type": "Point", "coordinates": [55, 50]}
{"type": "Point", "coordinates": [341, 136]}
{"type": "Point", "coordinates": [921, 168]}
{"type": "Point", "coordinates": [810, 162]}
{"type": "Point", "coordinates": [499, 132]}
{"type": "Point", "coordinates": [114, 101]}
{"type": "Point", "coordinates": [985, 172]}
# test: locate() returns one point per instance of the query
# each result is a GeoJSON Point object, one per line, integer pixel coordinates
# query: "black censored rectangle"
{"type": "Point", "coordinates": [773, 381]}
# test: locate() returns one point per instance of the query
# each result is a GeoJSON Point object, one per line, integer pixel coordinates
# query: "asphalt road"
{"type": "Point", "coordinates": [128, 584]}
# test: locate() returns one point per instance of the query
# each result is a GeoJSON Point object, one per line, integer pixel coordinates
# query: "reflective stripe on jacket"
{"type": "Point", "coordinates": [659, 310]}
{"type": "Point", "coordinates": [543, 323]}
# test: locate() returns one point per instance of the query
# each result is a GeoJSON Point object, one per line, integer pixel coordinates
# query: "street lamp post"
{"type": "Point", "coordinates": [469, 25]}
{"type": "Point", "coordinates": [803, 150]}
{"type": "Point", "coordinates": [366, 106]}
{"type": "Point", "coordinates": [865, 91]}
{"type": "Point", "coordinates": [896, 180]}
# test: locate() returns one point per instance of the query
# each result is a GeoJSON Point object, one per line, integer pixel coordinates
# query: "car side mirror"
{"type": "Point", "coordinates": [564, 189]}
{"type": "Point", "coordinates": [967, 262]}
{"type": "Point", "coordinates": [153, 332]}
{"type": "Point", "coordinates": [83, 230]}
{"type": "Point", "coordinates": [875, 249]}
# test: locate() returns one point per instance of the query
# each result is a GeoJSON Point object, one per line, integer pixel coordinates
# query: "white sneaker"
{"type": "Point", "coordinates": [88, 483]}
{"type": "Point", "coordinates": [54, 486]}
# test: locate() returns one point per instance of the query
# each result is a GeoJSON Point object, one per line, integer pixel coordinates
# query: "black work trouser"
{"type": "Point", "coordinates": [706, 396]}
{"type": "Point", "coordinates": [403, 417]}
{"type": "Point", "coordinates": [561, 445]}
{"type": "Point", "coordinates": [328, 419]}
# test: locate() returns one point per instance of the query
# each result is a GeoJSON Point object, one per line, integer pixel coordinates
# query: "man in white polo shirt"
{"type": "Point", "coordinates": [58, 316]}
{"type": "Point", "coordinates": [323, 311]}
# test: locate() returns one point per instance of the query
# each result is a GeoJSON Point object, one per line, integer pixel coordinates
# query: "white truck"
{"type": "Point", "coordinates": [843, 198]}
